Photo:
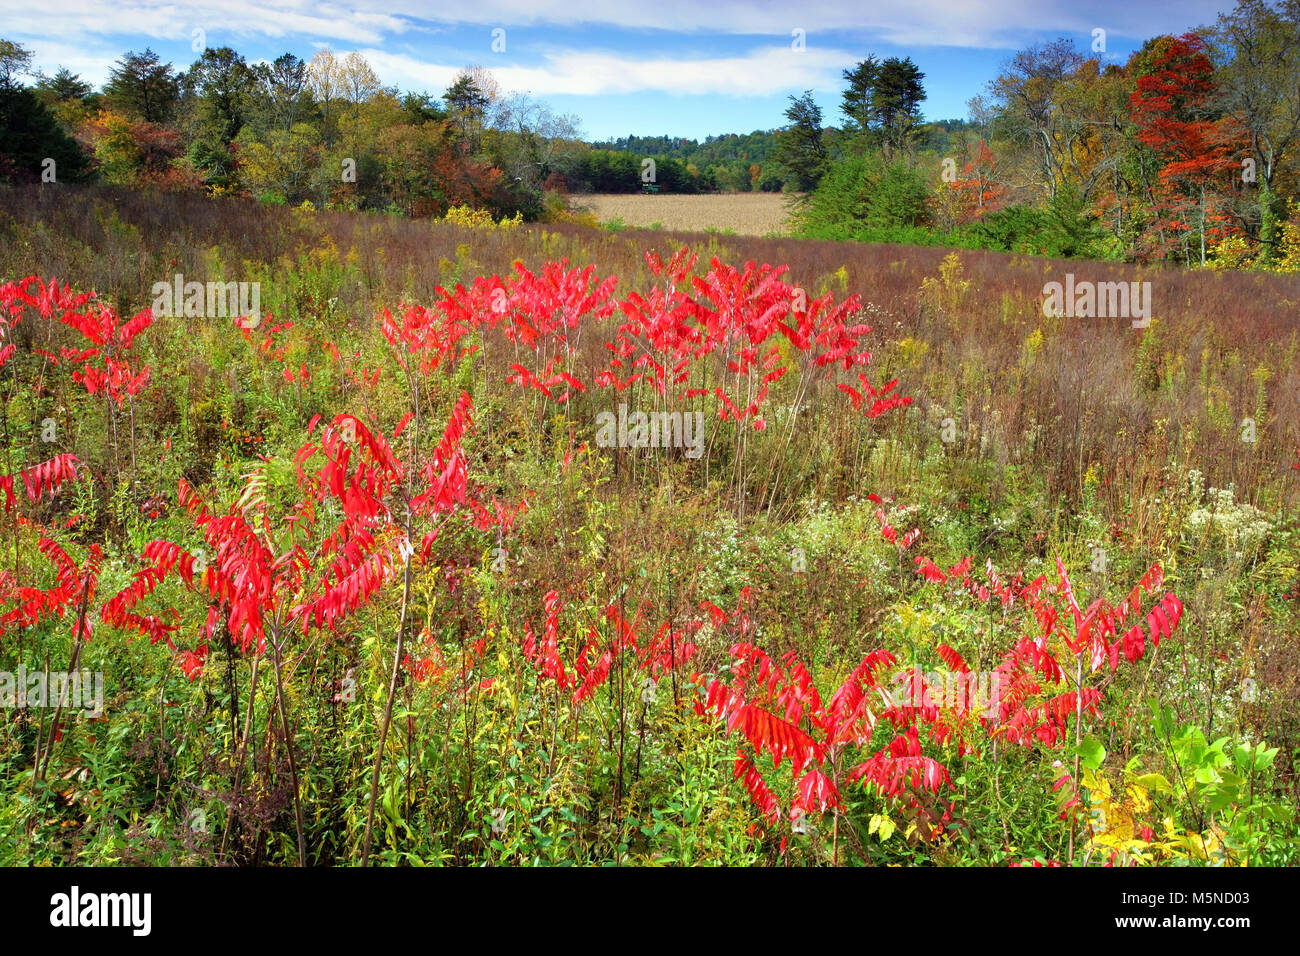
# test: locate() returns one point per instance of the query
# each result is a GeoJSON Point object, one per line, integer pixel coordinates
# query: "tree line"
{"type": "Point", "coordinates": [325, 131]}
{"type": "Point", "coordinates": [1186, 152]}
{"type": "Point", "coordinates": [329, 132]}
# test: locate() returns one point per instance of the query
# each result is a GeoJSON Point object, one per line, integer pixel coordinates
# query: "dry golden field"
{"type": "Point", "coordinates": [747, 214]}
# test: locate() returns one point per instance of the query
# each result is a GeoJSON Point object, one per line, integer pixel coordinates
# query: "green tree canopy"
{"type": "Point", "coordinates": [141, 86]}
{"type": "Point", "coordinates": [802, 148]}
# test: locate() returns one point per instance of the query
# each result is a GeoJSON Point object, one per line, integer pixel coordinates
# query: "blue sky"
{"type": "Point", "coordinates": [662, 66]}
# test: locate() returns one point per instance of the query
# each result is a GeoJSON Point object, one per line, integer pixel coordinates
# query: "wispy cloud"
{"type": "Point", "coordinates": [966, 23]}
{"type": "Point", "coordinates": [86, 62]}
{"type": "Point", "coordinates": [364, 22]}
{"type": "Point", "coordinates": [761, 72]}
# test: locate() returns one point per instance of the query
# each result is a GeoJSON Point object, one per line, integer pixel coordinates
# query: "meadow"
{"type": "Point", "coordinates": [745, 214]}
{"type": "Point", "coordinates": [951, 582]}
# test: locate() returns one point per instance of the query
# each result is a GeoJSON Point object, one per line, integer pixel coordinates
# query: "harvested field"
{"type": "Point", "coordinates": [746, 214]}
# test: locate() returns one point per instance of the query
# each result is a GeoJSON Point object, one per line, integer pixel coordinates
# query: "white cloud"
{"type": "Point", "coordinates": [364, 22]}
{"type": "Point", "coordinates": [85, 35]}
{"type": "Point", "coordinates": [970, 23]}
{"type": "Point", "coordinates": [763, 71]}
{"type": "Point", "coordinates": [90, 65]}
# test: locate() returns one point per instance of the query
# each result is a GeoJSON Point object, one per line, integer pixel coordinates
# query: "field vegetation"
{"type": "Point", "coordinates": [364, 585]}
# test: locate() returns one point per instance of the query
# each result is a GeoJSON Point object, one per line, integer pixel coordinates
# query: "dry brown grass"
{"type": "Point", "coordinates": [746, 214]}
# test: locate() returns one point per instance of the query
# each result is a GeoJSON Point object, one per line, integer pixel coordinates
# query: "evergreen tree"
{"type": "Point", "coordinates": [857, 107]}
{"type": "Point", "coordinates": [29, 135]}
{"type": "Point", "coordinates": [143, 87]}
{"type": "Point", "coordinates": [896, 101]}
{"type": "Point", "coordinates": [802, 149]}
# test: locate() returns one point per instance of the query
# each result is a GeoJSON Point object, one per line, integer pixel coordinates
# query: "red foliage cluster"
{"type": "Point", "coordinates": [104, 366]}
{"type": "Point", "coordinates": [743, 316]}
{"type": "Point", "coordinates": [46, 478]}
{"type": "Point", "coordinates": [670, 649]}
{"type": "Point", "coordinates": [1169, 112]}
{"type": "Point", "coordinates": [74, 587]}
{"type": "Point", "coordinates": [258, 580]}
{"type": "Point", "coordinates": [975, 193]}
{"type": "Point", "coordinates": [778, 711]}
